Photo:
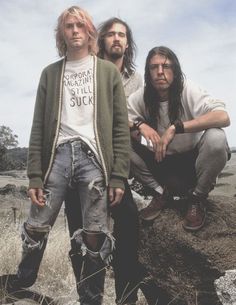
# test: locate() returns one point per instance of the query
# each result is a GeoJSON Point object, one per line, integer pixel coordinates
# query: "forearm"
{"type": "Point", "coordinates": [213, 119]}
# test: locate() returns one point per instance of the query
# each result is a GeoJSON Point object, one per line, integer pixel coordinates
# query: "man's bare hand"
{"type": "Point", "coordinates": [115, 196]}
{"type": "Point", "coordinates": [165, 140]}
{"type": "Point", "coordinates": [150, 134]}
{"type": "Point", "coordinates": [36, 196]}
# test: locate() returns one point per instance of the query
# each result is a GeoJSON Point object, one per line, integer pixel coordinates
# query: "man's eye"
{"type": "Point", "coordinates": [152, 67]}
{"type": "Point", "coordinates": [166, 66]}
{"type": "Point", "coordinates": [79, 24]}
{"type": "Point", "coordinates": [110, 34]}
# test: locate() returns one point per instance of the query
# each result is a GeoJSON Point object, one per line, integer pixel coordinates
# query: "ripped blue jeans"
{"type": "Point", "coordinates": [75, 165]}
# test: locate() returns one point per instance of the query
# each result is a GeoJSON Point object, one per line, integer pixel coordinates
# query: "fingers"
{"type": "Point", "coordinates": [160, 152]}
{"type": "Point", "coordinates": [41, 199]}
{"type": "Point", "coordinates": [149, 133]}
{"type": "Point", "coordinates": [162, 145]}
{"type": "Point", "coordinates": [115, 196]}
{"type": "Point", "coordinates": [36, 196]}
{"type": "Point", "coordinates": [152, 138]}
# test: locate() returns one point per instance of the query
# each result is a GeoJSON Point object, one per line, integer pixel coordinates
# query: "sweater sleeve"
{"type": "Point", "coordinates": [34, 164]}
{"type": "Point", "coordinates": [198, 102]}
{"type": "Point", "coordinates": [136, 107]}
{"type": "Point", "coordinates": [121, 137]}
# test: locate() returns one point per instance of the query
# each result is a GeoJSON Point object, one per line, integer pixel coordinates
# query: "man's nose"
{"type": "Point", "coordinates": [160, 69]}
{"type": "Point", "coordinates": [75, 28]}
{"type": "Point", "coordinates": [116, 36]}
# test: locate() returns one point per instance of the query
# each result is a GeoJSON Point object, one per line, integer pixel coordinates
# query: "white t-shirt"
{"type": "Point", "coordinates": [195, 102]}
{"type": "Point", "coordinates": [78, 102]}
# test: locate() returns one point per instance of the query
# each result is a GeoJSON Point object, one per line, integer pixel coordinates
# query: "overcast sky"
{"type": "Point", "coordinates": [202, 33]}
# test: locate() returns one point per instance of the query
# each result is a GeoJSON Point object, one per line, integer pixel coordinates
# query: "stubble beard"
{"type": "Point", "coordinates": [115, 54]}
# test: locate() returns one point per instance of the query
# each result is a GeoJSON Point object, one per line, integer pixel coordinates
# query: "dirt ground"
{"type": "Point", "coordinates": [13, 177]}
{"type": "Point", "coordinates": [226, 186]}
{"type": "Point", "coordinates": [226, 183]}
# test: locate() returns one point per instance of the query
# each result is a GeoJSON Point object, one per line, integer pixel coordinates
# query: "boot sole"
{"type": "Point", "coordinates": [149, 218]}
{"type": "Point", "coordinates": [194, 229]}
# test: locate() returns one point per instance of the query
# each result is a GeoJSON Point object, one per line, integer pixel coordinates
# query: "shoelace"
{"type": "Point", "coordinates": [194, 210]}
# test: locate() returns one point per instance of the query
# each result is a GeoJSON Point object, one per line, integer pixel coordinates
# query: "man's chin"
{"type": "Point", "coordinates": [161, 87]}
{"type": "Point", "coordinates": [116, 55]}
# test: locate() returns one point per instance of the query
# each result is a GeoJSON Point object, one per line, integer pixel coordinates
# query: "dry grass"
{"type": "Point", "coordinates": [55, 277]}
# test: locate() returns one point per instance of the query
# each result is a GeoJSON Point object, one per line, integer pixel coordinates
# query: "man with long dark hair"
{"type": "Point", "coordinates": [116, 44]}
{"type": "Point", "coordinates": [180, 126]}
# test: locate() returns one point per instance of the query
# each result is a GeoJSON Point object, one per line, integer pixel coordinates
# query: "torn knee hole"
{"type": "Point", "coordinates": [93, 240]}
{"type": "Point", "coordinates": [104, 248]}
{"type": "Point", "coordinates": [34, 237]}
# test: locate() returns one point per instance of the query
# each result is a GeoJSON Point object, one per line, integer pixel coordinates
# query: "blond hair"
{"type": "Point", "coordinates": [84, 18]}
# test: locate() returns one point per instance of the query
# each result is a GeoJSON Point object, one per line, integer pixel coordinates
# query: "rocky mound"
{"type": "Point", "coordinates": [186, 265]}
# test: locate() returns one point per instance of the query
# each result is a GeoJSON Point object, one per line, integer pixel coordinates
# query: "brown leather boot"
{"type": "Point", "coordinates": [157, 204]}
{"type": "Point", "coordinates": [196, 214]}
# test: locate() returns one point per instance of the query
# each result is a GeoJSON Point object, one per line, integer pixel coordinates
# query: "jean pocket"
{"type": "Point", "coordinates": [91, 155]}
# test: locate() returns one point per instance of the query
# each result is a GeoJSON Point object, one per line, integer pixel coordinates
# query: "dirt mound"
{"type": "Point", "coordinates": [187, 264]}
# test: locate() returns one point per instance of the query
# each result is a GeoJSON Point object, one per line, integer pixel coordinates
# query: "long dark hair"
{"type": "Point", "coordinates": [130, 52]}
{"type": "Point", "coordinates": [151, 96]}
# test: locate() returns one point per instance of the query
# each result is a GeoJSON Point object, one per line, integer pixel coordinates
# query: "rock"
{"type": "Point", "coordinates": [226, 288]}
{"type": "Point", "coordinates": [184, 264]}
{"type": "Point", "coordinates": [139, 200]}
{"type": "Point", "coordinates": [8, 188]}
{"type": "Point", "coordinates": [13, 189]}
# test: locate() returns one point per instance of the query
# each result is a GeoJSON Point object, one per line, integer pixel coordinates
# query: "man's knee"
{"type": "Point", "coordinates": [95, 244]}
{"type": "Point", "coordinates": [34, 237]}
{"type": "Point", "coordinates": [93, 240]}
{"type": "Point", "coordinates": [214, 139]}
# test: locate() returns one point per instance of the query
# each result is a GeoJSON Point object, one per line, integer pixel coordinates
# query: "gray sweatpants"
{"type": "Point", "coordinates": [212, 155]}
